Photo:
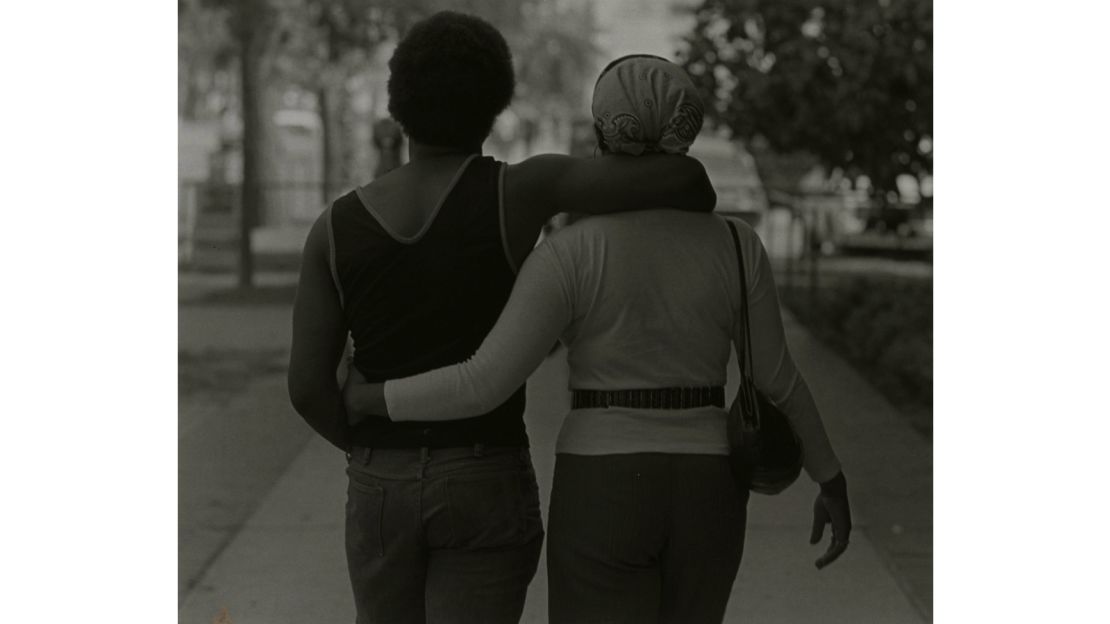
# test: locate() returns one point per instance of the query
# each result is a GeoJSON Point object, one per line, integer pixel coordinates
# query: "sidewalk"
{"type": "Point", "coordinates": [287, 563]}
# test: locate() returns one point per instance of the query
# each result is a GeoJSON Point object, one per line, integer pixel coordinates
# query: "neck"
{"type": "Point", "coordinates": [422, 151]}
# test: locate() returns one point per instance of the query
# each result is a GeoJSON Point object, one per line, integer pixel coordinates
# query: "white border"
{"type": "Point", "coordinates": [89, 457]}
{"type": "Point", "coordinates": [89, 263]}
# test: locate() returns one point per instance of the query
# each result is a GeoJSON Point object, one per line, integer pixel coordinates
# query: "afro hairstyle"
{"type": "Point", "coordinates": [450, 77]}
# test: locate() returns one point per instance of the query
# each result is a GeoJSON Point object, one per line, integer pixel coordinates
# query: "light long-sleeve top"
{"type": "Point", "coordinates": [641, 300]}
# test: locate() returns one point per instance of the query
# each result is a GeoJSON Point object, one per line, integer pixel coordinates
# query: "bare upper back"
{"type": "Point", "coordinates": [406, 199]}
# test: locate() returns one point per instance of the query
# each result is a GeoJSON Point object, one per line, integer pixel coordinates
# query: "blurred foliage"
{"type": "Point", "coordinates": [325, 44]}
{"type": "Point", "coordinates": [205, 54]}
{"type": "Point", "coordinates": [884, 327]}
{"type": "Point", "coordinates": [848, 82]}
{"type": "Point", "coordinates": [322, 41]}
{"type": "Point", "coordinates": [554, 56]}
{"type": "Point", "coordinates": [781, 173]}
{"type": "Point", "coordinates": [314, 43]}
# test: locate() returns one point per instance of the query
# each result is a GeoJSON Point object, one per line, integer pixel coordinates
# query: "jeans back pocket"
{"type": "Point", "coordinates": [492, 510]}
{"type": "Point", "coordinates": [365, 503]}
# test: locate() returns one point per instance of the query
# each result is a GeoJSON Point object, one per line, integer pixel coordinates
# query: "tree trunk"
{"type": "Point", "coordinates": [329, 95]}
{"type": "Point", "coordinates": [251, 194]}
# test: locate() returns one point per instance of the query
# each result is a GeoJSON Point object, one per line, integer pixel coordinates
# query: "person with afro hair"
{"type": "Point", "coordinates": [449, 79]}
{"type": "Point", "coordinates": [443, 518]}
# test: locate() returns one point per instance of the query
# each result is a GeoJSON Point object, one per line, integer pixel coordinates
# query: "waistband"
{"type": "Point", "coordinates": [410, 464]}
{"type": "Point", "coordinates": [650, 398]}
{"type": "Point", "coordinates": [426, 453]}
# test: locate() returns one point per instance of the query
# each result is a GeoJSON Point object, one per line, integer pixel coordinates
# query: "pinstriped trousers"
{"type": "Point", "coordinates": [643, 538]}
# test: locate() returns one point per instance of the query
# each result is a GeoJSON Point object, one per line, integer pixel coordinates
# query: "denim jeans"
{"type": "Point", "coordinates": [442, 535]}
{"type": "Point", "coordinates": [643, 538]}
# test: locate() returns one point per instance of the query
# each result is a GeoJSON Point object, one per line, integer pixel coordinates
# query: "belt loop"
{"type": "Point", "coordinates": [479, 449]}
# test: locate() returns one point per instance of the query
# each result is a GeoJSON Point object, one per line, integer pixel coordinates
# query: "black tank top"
{"type": "Point", "coordinates": [419, 304]}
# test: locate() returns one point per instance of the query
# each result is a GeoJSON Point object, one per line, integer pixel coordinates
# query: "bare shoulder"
{"type": "Point", "coordinates": [317, 242]}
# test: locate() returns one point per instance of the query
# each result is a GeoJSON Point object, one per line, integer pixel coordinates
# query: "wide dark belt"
{"type": "Point", "coordinates": [653, 398]}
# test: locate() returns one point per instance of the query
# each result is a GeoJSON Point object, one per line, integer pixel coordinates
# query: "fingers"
{"type": "Point", "coordinates": [836, 548]}
{"type": "Point", "coordinates": [838, 514]}
{"type": "Point", "coordinates": [820, 518]}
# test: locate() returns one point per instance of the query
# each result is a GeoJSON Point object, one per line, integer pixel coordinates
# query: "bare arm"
{"type": "Point", "coordinates": [538, 310]}
{"type": "Point", "coordinates": [319, 336]}
{"type": "Point", "coordinates": [542, 186]}
{"type": "Point", "coordinates": [774, 371]}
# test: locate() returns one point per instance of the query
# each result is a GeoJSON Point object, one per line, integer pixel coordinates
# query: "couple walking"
{"type": "Point", "coordinates": [432, 271]}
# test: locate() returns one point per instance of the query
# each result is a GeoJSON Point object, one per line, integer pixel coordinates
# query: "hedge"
{"type": "Point", "coordinates": [884, 327]}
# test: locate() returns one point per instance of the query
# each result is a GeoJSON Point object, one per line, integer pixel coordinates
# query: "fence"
{"type": "Point", "coordinates": [209, 213]}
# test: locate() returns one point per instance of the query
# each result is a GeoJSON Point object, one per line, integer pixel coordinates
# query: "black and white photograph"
{"type": "Point", "coordinates": [554, 312]}
{"type": "Point", "coordinates": [564, 311]}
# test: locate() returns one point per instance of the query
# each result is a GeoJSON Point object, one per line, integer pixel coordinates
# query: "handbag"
{"type": "Point", "coordinates": [765, 453]}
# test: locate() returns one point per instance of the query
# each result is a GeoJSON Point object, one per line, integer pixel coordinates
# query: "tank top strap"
{"type": "Point", "coordinates": [331, 252]}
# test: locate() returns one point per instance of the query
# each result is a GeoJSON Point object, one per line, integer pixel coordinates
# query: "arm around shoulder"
{"type": "Point", "coordinates": [612, 183]}
{"type": "Point", "coordinates": [545, 185]}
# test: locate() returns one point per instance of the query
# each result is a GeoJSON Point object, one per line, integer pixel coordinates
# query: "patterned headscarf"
{"type": "Point", "coordinates": [646, 104]}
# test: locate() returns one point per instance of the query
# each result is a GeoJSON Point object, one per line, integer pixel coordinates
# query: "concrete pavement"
{"type": "Point", "coordinates": [286, 564]}
{"type": "Point", "coordinates": [236, 433]}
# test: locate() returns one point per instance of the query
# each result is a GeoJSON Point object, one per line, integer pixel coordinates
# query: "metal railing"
{"type": "Point", "coordinates": [209, 213]}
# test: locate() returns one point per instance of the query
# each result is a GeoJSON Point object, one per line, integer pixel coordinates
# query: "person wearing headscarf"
{"type": "Point", "coordinates": [646, 521]}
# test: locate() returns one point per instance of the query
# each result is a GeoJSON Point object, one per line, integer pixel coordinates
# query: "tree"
{"type": "Point", "coordinates": [555, 55]}
{"type": "Point", "coordinates": [333, 40]}
{"type": "Point", "coordinates": [253, 25]}
{"type": "Point", "coordinates": [264, 40]}
{"type": "Point", "coordinates": [205, 50]}
{"type": "Point", "coordinates": [254, 29]}
{"type": "Point", "coordinates": [848, 82]}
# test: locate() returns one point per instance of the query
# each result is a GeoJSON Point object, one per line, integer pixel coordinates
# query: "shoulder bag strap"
{"type": "Point", "coordinates": [747, 384]}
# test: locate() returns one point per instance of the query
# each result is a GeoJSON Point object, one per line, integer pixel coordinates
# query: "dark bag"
{"type": "Point", "coordinates": [764, 452]}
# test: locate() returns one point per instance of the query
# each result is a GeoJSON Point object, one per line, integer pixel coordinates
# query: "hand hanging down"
{"type": "Point", "coordinates": [831, 507]}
